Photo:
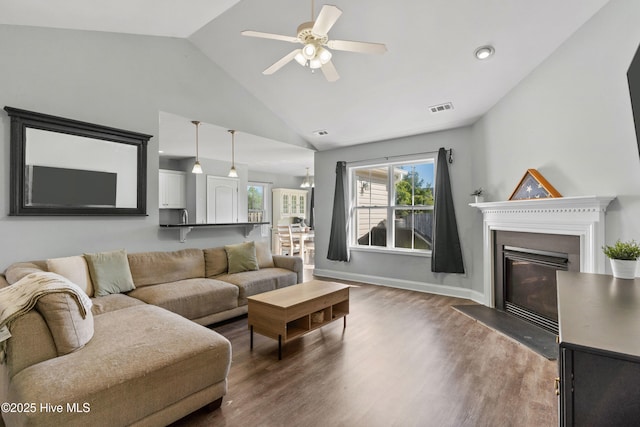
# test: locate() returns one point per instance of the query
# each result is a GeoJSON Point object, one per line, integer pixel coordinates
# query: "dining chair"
{"type": "Point", "coordinates": [287, 244]}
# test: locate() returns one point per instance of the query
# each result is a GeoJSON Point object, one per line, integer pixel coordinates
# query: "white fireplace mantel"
{"type": "Point", "coordinates": [577, 216]}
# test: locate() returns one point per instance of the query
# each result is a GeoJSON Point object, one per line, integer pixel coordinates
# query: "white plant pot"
{"type": "Point", "coordinates": [624, 269]}
{"type": "Point", "coordinates": [479, 199]}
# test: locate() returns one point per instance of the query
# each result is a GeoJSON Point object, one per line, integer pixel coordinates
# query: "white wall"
{"type": "Point", "coordinates": [571, 119]}
{"type": "Point", "coordinates": [121, 81]}
{"type": "Point", "coordinates": [395, 269]}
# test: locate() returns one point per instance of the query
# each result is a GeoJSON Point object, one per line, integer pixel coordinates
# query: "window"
{"type": "Point", "coordinates": [256, 202]}
{"type": "Point", "coordinates": [392, 205]}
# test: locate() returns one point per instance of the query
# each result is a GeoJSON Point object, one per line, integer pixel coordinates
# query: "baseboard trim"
{"type": "Point", "coordinates": [430, 288]}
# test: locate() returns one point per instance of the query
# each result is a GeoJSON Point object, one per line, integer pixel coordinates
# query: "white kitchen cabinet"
{"type": "Point", "coordinates": [172, 187]}
{"type": "Point", "coordinates": [288, 203]}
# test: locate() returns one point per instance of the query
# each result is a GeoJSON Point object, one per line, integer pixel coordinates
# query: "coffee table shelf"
{"type": "Point", "coordinates": [289, 313]}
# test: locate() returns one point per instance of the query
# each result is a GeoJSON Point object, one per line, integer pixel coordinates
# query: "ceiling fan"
{"type": "Point", "coordinates": [313, 36]}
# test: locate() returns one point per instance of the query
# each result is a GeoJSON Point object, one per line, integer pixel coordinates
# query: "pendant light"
{"type": "Point", "coordinates": [233, 173]}
{"type": "Point", "coordinates": [306, 182]}
{"type": "Point", "coordinates": [196, 166]}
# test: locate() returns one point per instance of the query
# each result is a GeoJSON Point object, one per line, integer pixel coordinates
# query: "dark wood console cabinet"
{"type": "Point", "coordinates": [599, 360]}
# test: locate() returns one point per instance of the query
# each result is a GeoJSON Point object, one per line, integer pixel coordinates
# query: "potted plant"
{"type": "Point", "coordinates": [478, 194]}
{"type": "Point", "coordinates": [624, 258]}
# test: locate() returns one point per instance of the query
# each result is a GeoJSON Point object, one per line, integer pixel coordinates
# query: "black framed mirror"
{"type": "Point", "coordinates": [61, 166]}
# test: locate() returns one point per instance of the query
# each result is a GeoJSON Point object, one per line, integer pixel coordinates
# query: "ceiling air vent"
{"type": "Point", "coordinates": [320, 132]}
{"type": "Point", "coordinates": [441, 107]}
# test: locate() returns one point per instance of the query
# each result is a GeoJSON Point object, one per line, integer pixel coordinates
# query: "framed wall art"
{"type": "Point", "coordinates": [533, 186]}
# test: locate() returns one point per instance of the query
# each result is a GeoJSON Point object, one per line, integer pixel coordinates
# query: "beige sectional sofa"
{"type": "Point", "coordinates": [149, 360]}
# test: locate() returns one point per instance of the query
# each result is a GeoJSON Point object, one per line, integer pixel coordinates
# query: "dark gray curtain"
{"type": "Point", "coordinates": [311, 208]}
{"type": "Point", "coordinates": [338, 238]}
{"type": "Point", "coordinates": [446, 254]}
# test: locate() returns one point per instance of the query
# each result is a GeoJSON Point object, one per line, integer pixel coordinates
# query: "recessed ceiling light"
{"type": "Point", "coordinates": [484, 52]}
{"type": "Point", "coordinates": [160, 151]}
{"type": "Point", "coordinates": [320, 132]}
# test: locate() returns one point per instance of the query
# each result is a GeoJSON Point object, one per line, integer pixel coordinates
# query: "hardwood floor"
{"type": "Point", "coordinates": [405, 359]}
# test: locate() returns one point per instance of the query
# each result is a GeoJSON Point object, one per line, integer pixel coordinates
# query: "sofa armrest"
{"type": "Point", "coordinates": [293, 263]}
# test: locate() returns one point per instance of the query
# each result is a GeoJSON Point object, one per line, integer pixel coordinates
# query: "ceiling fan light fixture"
{"type": "Point", "coordinates": [300, 59]}
{"type": "Point", "coordinates": [309, 51]}
{"type": "Point", "coordinates": [324, 55]}
{"type": "Point", "coordinates": [315, 63]}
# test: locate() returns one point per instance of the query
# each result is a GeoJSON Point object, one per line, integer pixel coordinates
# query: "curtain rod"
{"type": "Point", "coordinates": [450, 159]}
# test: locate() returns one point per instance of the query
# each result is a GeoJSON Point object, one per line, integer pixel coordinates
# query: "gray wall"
{"type": "Point", "coordinates": [571, 119]}
{"type": "Point", "coordinates": [405, 271]}
{"type": "Point", "coordinates": [121, 81]}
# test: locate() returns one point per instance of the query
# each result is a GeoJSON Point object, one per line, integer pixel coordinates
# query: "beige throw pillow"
{"type": "Point", "coordinates": [241, 257]}
{"type": "Point", "coordinates": [70, 331]}
{"type": "Point", "coordinates": [215, 260]}
{"type": "Point", "coordinates": [263, 253]}
{"type": "Point", "coordinates": [74, 268]}
{"type": "Point", "coordinates": [110, 272]}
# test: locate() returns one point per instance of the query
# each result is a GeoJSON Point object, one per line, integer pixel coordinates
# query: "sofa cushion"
{"type": "Point", "coordinates": [151, 268]}
{"type": "Point", "coordinates": [255, 282]}
{"type": "Point", "coordinates": [30, 343]}
{"type": "Point", "coordinates": [113, 302]}
{"type": "Point", "coordinates": [263, 253]}
{"type": "Point", "coordinates": [241, 257]}
{"type": "Point", "coordinates": [215, 261]}
{"type": "Point", "coordinates": [141, 360]}
{"type": "Point", "coordinates": [110, 272]}
{"type": "Point", "coordinates": [190, 298]}
{"type": "Point", "coordinates": [69, 329]}
{"type": "Point", "coordinates": [74, 268]}
{"type": "Point", "coordinates": [18, 270]}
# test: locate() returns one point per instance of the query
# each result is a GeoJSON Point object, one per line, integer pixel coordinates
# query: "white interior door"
{"type": "Point", "coordinates": [222, 200]}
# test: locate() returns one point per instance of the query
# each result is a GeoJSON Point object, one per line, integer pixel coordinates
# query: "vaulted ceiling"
{"type": "Point", "coordinates": [430, 58]}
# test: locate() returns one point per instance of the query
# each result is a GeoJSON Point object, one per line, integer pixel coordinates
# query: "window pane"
{"type": "Point", "coordinates": [413, 228]}
{"type": "Point", "coordinates": [256, 197]}
{"type": "Point", "coordinates": [255, 203]}
{"type": "Point", "coordinates": [372, 186]}
{"type": "Point", "coordinates": [414, 184]}
{"type": "Point", "coordinates": [371, 229]}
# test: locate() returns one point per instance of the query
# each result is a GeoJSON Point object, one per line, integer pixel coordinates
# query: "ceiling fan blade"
{"type": "Point", "coordinates": [330, 72]}
{"type": "Point", "coordinates": [281, 62]}
{"type": "Point", "coordinates": [251, 33]}
{"type": "Point", "coordinates": [360, 47]}
{"type": "Point", "coordinates": [326, 18]}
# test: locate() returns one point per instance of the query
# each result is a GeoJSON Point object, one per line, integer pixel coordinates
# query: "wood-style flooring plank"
{"type": "Point", "coordinates": [405, 359]}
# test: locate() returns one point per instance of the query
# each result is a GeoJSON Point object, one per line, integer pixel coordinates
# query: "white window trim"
{"type": "Point", "coordinates": [396, 160]}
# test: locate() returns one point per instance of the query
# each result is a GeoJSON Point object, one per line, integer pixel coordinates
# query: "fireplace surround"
{"type": "Point", "coordinates": [582, 217]}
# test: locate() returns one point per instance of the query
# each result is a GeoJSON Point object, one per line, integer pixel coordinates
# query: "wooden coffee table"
{"type": "Point", "coordinates": [289, 313]}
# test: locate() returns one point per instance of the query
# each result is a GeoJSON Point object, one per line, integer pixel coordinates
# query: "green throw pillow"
{"type": "Point", "coordinates": [110, 272]}
{"type": "Point", "coordinates": [241, 257]}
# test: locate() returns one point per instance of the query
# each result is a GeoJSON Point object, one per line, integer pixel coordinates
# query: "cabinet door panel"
{"type": "Point", "coordinates": [606, 390]}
